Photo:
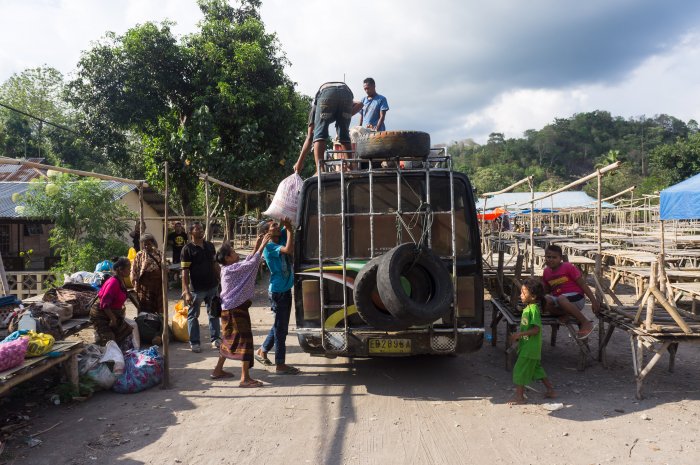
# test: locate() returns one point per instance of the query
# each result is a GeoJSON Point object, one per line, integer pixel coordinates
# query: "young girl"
{"type": "Point", "coordinates": [528, 366]}
{"type": "Point", "coordinates": [237, 288]}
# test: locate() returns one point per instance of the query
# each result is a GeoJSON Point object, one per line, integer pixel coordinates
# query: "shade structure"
{"type": "Point", "coordinates": [682, 201]}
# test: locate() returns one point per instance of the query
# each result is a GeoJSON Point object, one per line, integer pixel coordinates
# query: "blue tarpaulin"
{"type": "Point", "coordinates": [682, 201]}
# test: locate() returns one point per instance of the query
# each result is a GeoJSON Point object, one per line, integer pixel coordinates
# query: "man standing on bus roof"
{"type": "Point", "coordinates": [311, 126]}
{"type": "Point", "coordinates": [374, 107]}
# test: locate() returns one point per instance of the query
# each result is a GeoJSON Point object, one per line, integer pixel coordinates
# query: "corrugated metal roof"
{"type": "Point", "coordinates": [21, 173]}
{"type": "Point", "coordinates": [119, 190]}
{"type": "Point", "coordinates": [519, 201]}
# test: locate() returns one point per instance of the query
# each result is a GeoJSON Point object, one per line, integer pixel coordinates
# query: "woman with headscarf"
{"type": "Point", "coordinates": [107, 313]}
{"type": "Point", "coordinates": [147, 277]}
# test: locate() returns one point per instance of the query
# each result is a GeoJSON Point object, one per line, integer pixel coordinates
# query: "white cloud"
{"type": "Point", "coordinates": [455, 69]}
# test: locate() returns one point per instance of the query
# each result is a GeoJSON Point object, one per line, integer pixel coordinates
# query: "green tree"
{"type": "Point", "coordinates": [89, 225]}
{"type": "Point", "coordinates": [218, 102]}
{"type": "Point", "coordinates": [678, 161]}
{"type": "Point", "coordinates": [38, 92]}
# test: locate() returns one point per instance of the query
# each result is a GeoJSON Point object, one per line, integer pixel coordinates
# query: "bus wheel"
{"type": "Point", "coordinates": [393, 144]}
{"type": "Point", "coordinates": [414, 284]}
{"type": "Point", "coordinates": [367, 299]}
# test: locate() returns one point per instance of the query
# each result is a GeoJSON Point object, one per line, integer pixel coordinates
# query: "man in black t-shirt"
{"type": "Point", "coordinates": [200, 270]}
{"type": "Point", "coordinates": [177, 240]}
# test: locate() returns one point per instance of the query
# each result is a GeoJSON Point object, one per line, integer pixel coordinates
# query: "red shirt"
{"type": "Point", "coordinates": [112, 294]}
{"type": "Point", "coordinates": [563, 279]}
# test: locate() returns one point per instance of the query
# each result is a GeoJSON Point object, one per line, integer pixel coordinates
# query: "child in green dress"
{"type": "Point", "coordinates": [528, 367]}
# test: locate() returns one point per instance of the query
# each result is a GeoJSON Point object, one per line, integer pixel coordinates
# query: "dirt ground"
{"type": "Point", "coordinates": [420, 410]}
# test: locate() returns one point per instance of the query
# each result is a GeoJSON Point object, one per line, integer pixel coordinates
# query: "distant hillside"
{"type": "Point", "coordinates": [655, 152]}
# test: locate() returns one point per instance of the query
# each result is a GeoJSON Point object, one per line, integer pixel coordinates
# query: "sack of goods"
{"type": "Point", "coordinates": [180, 330]}
{"type": "Point", "coordinates": [143, 369]}
{"type": "Point", "coordinates": [286, 200]}
{"type": "Point", "coordinates": [12, 353]}
{"type": "Point", "coordinates": [37, 345]}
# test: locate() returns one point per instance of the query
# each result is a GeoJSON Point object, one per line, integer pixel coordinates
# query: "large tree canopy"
{"type": "Point", "coordinates": [218, 101]}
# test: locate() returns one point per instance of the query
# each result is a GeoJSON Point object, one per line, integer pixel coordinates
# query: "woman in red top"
{"type": "Point", "coordinates": [107, 314]}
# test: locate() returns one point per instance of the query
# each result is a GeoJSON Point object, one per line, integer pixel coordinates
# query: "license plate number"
{"type": "Point", "coordinates": [389, 346]}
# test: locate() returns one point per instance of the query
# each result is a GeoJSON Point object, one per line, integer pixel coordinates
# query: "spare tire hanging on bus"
{"type": "Point", "coordinates": [366, 299]}
{"type": "Point", "coordinates": [429, 293]}
{"type": "Point", "coordinates": [393, 144]}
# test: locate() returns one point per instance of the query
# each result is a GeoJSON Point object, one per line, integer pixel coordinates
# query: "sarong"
{"type": "Point", "coordinates": [103, 331]}
{"type": "Point", "coordinates": [149, 291]}
{"type": "Point", "coordinates": [236, 334]}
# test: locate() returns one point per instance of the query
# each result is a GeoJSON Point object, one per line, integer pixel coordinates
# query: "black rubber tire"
{"type": "Point", "coordinates": [431, 284]}
{"type": "Point", "coordinates": [393, 144]}
{"type": "Point", "coordinates": [365, 286]}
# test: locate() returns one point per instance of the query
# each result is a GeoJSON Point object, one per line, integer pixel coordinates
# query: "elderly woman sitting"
{"type": "Point", "coordinates": [108, 312]}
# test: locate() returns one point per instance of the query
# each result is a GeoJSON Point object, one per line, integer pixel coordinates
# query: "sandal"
{"type": "Point", "coordinates": [289, 371]}
{"type": "Point", "coordinates": [583, 336]}
{"type": "Point", "coordinates": [223, 375]}
{"type": "Point", "coordinates": [251, 384]}
{"type": "Point", "coordinates": [263, 360]}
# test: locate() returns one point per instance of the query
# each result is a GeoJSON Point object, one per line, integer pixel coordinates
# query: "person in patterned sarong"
{"type": "Point", "coordinates": [147, 277]}
{"type": "Point", "coordinates": [237, 288]}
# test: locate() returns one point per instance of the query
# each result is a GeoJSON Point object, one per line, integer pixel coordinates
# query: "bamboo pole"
{"type": "Point", "coordinates": [142, 223]}
{"type": "Point", "coordinates": [164, 274]}
{"type": "Point", "coordinates": [231, 186]}
{"type": "Point", "coordinates": [207, 221]}
{"type": "Point", "coordinates": [507, 189]}
{"type": "Point", "coordinates": [532, 227]}
{"type": "Point", "coordinates": [11, 161]}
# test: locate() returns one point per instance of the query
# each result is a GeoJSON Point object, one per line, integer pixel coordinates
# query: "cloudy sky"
{"type": "Point", "coordinates": [457, 69]}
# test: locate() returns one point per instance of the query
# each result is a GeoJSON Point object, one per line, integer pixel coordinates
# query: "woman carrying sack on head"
{"type": "Point", "coordinates": [108, 312]}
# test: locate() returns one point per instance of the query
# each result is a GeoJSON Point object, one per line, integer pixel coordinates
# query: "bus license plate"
{"type": "Point", "coordinates": [389, 346]}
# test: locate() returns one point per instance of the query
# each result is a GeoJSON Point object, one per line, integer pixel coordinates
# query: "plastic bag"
{"type": "Point", "coordinates": [143, 369]}
{"type": "Point", "coordinates": [286, 199]}
{"type": "Point", "coordinates": [135, 336]}
{"type": "Point", "coordinates": [12, 353]}
{"type": "Point", "coordinates": [179, 325]}
{"type": "Point", "coordinates": [104, 266]}
{"type": "Point", "coordinates": [114, 354]}
{"type": "Point", "coordinates": [89, 357]}
{"type": "Point", "coordinates": [150, 327]}
{"type": "Point", "coordinates": [102, 376]}
{"type": "Point", "coordinates": [39, 344]}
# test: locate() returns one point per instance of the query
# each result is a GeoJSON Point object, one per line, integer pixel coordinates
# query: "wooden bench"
{"type": "Point", "coordinates": [31, 367]}
{"type": "Point", "coordinates": [500, 311]}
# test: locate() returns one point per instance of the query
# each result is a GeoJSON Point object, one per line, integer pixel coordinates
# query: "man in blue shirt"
{"type": "Point", "coordinates": [278, 256]}
{"type": "Point", "coordinates": [374, 107]}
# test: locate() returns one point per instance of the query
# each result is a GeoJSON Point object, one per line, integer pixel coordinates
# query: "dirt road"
{"type": "Point", "coordinates": [426, 410]}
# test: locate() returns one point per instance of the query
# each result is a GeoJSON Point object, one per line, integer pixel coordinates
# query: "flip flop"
{"type": "Point", "coordinates": [222, 376]}
{"type": "Point", "coordinates": [583, 337]}
{"type": "Point", "coordinates": [251, 384]}
{"type": "Point", "coordinates": [263, 360]}
{"type": "Point", "coordinates": [289, 371]}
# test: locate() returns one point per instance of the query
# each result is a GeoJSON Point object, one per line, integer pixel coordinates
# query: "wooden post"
{"type": "Point", "coordinates": [532, 227]}
{"type": "Point", "coordinates": [245, 218]}
{"type": "Point", "coordinates": [164, 273]}
{"type": "Point", "coordinates": [3, 278]}
{"type": "Point", "coordinates": [599, 214]}
{"type": "Point", "coordinates": [483, 227]}
{"type": "Point", "coordinates": [207, 229]}
{"type": "Point", "coordinates": [142, 225]}
{"type": "Point", "coordinates": [651, 302]}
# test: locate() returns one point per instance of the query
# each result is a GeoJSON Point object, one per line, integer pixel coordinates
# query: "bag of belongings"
{"type": "Point", "coordinates": [286, 200]}
{"type": "Point", "coordinates": [142, 369]}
